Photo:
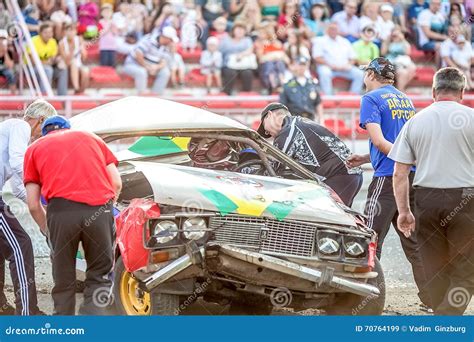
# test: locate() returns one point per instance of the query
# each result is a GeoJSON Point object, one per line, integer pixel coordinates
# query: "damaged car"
{"type": "Point", "coordinates": [211, 211]}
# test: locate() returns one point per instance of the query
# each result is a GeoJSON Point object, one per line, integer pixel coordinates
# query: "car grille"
{"type": "Point", "coordinates": [265, 235]}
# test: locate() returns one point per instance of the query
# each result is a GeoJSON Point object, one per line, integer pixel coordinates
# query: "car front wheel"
{"type": "Point", "coordinates": [130, 300]}
{"type": "Point", "coordinates": [352, 304]}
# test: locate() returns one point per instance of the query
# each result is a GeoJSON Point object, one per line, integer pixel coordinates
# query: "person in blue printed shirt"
{"type": "Point", "coordinates": [383, 112]}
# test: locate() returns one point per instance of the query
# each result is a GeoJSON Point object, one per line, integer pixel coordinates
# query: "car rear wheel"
{"type": "Point", "coordinates": [352, 304]}
{"type": "Point", "coordinates": [131, 300]}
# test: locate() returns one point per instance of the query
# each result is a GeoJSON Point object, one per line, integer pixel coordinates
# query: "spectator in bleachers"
{"type": "Point", "coordinates": [72, 52]}
{"type": "Point", "coordinates": [122, 19]}
{"type": "Point", "coordinates": [164, 17]}
{"type": "Point", "coordinates": [270, 9]}
{"type": "Point", "coordinates": [235, 8]}
{"type": "Point", "coordinates": [457, 52]}
{"type": "Point", "coordinates": [6, 62]}
{"type": "Point", "coordinates": [139, 13]}
{"type": "Point", "coordinates": [296, 46]}
{"type": "Point", "coordinates": [318, 19]}
{"type": "Point", "coordinates": [47, 49]}
{"type": "Point", "coordinates": [72, 10]}
{"type": "Point", "coordinates": [239, 59]}
{"type": "Point", "coordinates": [370, 17]}
{"type": "Point", "coordinates": [335, 57]}
{"type": "Point", "coordinates": [431, 25]}
{"type": "Point", "coordinates": [219, 26]}
{"type": "Point", "coordinates": [289, 18]}
{"type": "Point", "coordinates": [211, 63]}
{"type": "Point", "coordinates": [397, 50]}
{"type": "Point", "coordinates": [347, 21]}
{"type": "Point", "coordinates": [271, 57]}
{"type": "Point", "coordinates": [207, 12]}
{"type": "Point", "coordinates": [300, 94]}
{"type": "Point", "coordinates": [108, 36]}
{"type": "Point", "coordinates": [364, 48]}
{"type": "Point", "coordinates": [306, 7]}
{"type": "Point", "coordinates": [127, 44]}
{"type": "Point", "coordinates": [251, 15]}
{"type": "Point", "coordinates": [48, 7]}
{"type": "Point", "coordinates": [60, 18]}
{"type": "Point", "coordinates": [414, 11]}
{"type": "Point", "coordinates": [152, 57]}
{"type": "Point", "coordinates": [5, 19]}
{"type": "Point", "coordinates": [386, 24]}
{"type": "Point", "coordinates": [88, 19]}
{"type": "Point", "coordinates": [31, 15]}
{"type": "Point", "coordinates": [178, 69]}
{"type": "Point", "coordinates": [399, 17]}
{"type": "Point", "coordinates": [462, 27]}
{"type": "Point", "coordinates": [190, 30]}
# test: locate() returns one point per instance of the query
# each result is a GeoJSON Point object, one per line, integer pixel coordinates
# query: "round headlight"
{"type": "Point", "coordinates": [354, 248]}
{"type": "Point", "coordinates": [165, 231]}
{"type": "Point", "coordinates": [328, 246]}
{"type": "Point", "coordinates": [194, 228]}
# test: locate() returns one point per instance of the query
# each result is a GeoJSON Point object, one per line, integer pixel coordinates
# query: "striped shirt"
{"type": "Point", "coordinates": [152, 51]}
{"type": "Point", "coordinates": [14, 138]}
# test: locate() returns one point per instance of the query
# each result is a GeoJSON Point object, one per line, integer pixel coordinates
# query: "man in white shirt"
{"type": "Point", "coordinates": [440, 140]}
{"type": "Point", "coordinates": [347, 21]}
{"type": "Point", "coordinates": [15, 244]}
{"type": "Point", "coordinates": [335, 57]}
{"type": "Point", "coordinates": [431, 27]}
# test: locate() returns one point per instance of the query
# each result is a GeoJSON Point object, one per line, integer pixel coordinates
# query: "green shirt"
{"type": "Point", "coordinates": [365, 52]}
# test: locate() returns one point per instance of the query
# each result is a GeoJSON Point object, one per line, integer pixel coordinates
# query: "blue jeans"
{"type": "Point", "coordinates": [61, 75]}
{"type": "Point", "coordinates": [9, 75]}
{"type": "Point", "coordinates": [326, 75]}
{"type": "Point", "coordinates": [107, 58]}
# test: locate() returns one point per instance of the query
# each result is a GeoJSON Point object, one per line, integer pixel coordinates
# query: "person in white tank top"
{"type": "Point", "coordinates": [72, 50]}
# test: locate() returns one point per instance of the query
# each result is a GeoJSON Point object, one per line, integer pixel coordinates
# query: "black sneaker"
{"type": "Point", "coordinates": [7, 310]}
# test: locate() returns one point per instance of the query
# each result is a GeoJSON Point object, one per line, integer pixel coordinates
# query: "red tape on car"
{"type": "Point", "coordinates": [130, 224]}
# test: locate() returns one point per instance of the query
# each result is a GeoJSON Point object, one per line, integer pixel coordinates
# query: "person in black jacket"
{"type": "Point", "coordinates": [314, 147]}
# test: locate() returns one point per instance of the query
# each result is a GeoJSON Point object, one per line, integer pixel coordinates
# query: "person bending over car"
{"type": "Point", "coordinates": [314, 147]}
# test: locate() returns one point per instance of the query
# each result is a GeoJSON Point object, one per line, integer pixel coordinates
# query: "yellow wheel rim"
{"type": "Point", "coordinates": [134, 300]}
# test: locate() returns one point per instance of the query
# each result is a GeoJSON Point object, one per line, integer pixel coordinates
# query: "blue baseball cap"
{"type": "Point", "coordinates": [382, 67]}
{"type": "Point", "coordinates": [54, 123]}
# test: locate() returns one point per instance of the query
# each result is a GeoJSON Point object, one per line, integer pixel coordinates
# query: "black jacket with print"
{"type": "Point", "coordinates": [314, 147]}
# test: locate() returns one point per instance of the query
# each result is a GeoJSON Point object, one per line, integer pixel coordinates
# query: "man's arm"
{"type": "Point", "coordinates": [355, 160]}
{"type": "Point", "coordinates": [17, 145]}
{"type": "Point", "coordinates": [33, 200]}
{"type": "Point", "coordinates": [377, 138]}
{"type": "Point", "coordinates": [115, 179]}
{"type": "Point", "coordinates": [406, 220]}
{"type": "Point", "coordinates": [433, 35]}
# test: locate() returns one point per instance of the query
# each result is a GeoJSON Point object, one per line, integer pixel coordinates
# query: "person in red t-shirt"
{"type": "Point", "coordinates": [77, 175]}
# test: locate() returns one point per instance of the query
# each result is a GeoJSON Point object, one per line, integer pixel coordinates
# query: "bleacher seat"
{"type": "Point", "coordinates": [104, 75]}
{"type": "Point", "coordinates": [338, 127]}
{"type": "Point", "coordinates": [424, 76]}
{"type": "Point", "coordinates": [251, 104]}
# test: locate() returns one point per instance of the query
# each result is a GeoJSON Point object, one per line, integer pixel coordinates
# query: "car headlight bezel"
{"type": "Point", "coordinates": [194, 228]}
{"type": "Point", "coordinates": [162, 226]}
{"type": "Point", "coordinates": [353, 241]}
{"type": "Point", "coordinates": [328, 244]}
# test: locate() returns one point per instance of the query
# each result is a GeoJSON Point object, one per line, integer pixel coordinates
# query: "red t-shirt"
{"type": "Point", "coordinates": [71, 165]}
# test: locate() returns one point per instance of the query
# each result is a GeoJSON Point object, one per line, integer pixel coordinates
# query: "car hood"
{"type": "Point", "coordinates": [134, 114]}
{"type": "Point", "coordinates": [231, 192]}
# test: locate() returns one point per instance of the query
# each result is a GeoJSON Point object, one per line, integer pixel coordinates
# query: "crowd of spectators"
{"type": "Point", "coordinates": [239, 39]}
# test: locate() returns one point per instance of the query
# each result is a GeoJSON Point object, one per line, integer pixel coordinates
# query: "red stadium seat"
{"type": "Point", "coordinates": [190, 56]}
{"type": "Point", "coordinates": [338, 127]}
{"type": "Point", "coordinates": [251, 104]}
{"type": "Point", "coordinates": [104, 75]}
{"type": "Point", "coordinates": [83, 105]}
{"type": "Point", "coordinates": [352, 104]}
{"type": "Point", "coordinates": [195, 78]}
{"type": "Point", "coordinates": [424, 76]}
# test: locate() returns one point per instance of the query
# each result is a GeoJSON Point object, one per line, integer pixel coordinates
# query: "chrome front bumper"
{"type": "Point", "coordinates": [318, 277]}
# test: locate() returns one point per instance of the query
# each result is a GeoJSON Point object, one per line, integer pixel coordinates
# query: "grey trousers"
{"type": "Point", "coordinates": [140, 75]}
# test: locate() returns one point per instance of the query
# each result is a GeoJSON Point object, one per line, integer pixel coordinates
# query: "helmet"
{"type": "Point", "coordinates": [53, 123]}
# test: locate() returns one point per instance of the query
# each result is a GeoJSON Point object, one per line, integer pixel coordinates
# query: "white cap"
{"type": "Point", "coordinates": [212, 41]}
{"type": "Point", "coordinates": [3, 34]}
{"type": "Point", "coordinates": [386, 8]}
{"type": "Point", "coordinates": [170, 32]}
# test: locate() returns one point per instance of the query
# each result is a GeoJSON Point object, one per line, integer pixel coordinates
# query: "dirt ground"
{"type": "Point", "coordinates": [401, 297]}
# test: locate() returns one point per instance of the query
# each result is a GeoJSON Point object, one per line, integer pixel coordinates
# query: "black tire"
{"type": "Point", "coordinates": [352, 304]}
{"type": "Point", "coordinates": [156, 304]}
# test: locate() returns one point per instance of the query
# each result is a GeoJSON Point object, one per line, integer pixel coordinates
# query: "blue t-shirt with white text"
{"type": "Point", "coordinates": [391, 109]}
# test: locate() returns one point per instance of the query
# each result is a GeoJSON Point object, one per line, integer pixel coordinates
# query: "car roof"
{"type": "Point", "coordinates": [145, 114]}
